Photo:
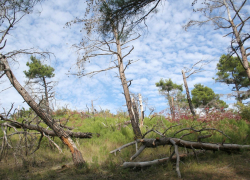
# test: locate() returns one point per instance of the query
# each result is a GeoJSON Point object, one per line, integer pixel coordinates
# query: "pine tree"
{"type": "Point", "coordinates": [39, 73]}
{"type": "Point", "coordinates": [167, 86]}
{"type": "Point", "coordinates": [203, 96]}
{"type": "Point", "coordinates": [230, 71]}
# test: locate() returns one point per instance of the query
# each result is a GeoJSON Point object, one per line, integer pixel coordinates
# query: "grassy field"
{"type": "Point", "coordinates": [49, 163]}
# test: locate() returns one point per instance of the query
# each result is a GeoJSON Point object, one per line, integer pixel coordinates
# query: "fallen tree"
{"type": "Point", "coordinates": [176, 143]}
{"type": "Point", "coordinates": [59, 131]}
{"type": "Point", "coordinates": [40, 129]}
{"type": "Point", "coordinates": [159, 161]}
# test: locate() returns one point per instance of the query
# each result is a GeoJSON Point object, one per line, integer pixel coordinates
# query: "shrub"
{"type": "Point", "coordinates": [244, 111]}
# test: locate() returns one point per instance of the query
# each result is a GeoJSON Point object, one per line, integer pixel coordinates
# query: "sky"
{"type": "Point", "coordinates": [162, 51]}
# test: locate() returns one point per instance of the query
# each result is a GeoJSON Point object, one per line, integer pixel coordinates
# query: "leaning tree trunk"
{"type": "Point", "coordinates": [188, 95]}
{"type": "Point", "coordinates": [134, 121]}
{"type": "Point", "coordinates": [46, 96]}
{"type": "Point", "coordinates": [244, 61]}
{"type": "Point", "coordinates": [76, 154]}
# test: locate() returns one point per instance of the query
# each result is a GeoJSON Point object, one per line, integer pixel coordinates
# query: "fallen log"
{"type": "Point", "coordinates": [43, 130]}
{"type": "Point", "coordinates": [158, 161]}
{"type": "Point", "coordinates": [153, 143]}
{"type": "Point", "coordinates": [176, 142]}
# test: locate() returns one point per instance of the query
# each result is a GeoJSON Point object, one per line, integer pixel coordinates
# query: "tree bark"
{"type": "Point", "coordinates": [239, 42]}
{"type": "Point", "coordinates": [43, 130]}
{"type": "Point", "coordinates": [76, 154]}
{"type": "Point", "coordinates": [46, 96]}
{"type": "Point", "coordinates": [135, 111]}
{"type": "Point", "coordinates": [157, 161]}
{"type": "Point", "coordinates": [187, 92]}
{"type": "Point", "coordinates": [134, 123]}
{"type": "Point", "coordinates": [171, 106]}
{"type": "Point", "coordinates": [153, 143]}
{"type": "Point", "coordinates": [142, 111]}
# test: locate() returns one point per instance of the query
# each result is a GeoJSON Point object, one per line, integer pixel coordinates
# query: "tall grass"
{"type": "Point", "coordinates": [110, 132]}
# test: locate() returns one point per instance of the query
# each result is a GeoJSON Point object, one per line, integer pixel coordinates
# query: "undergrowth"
{"type": "Point", "coordinates": [109, 133]}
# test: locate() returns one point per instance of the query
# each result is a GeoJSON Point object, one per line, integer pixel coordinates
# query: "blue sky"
{"type": "Point", "coordinates": [163, 51]}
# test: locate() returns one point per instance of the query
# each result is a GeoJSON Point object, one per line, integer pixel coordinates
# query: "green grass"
{"type": "Point", "coordinates": [48, 163]}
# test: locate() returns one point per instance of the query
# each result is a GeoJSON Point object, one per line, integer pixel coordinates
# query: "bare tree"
{"type": "Point", "coordinates": [192, 70]}
{"type": "Point", "coordinates": [232, 15]}
{"type": "Point", "coordinates": [187, 92]}
{"type": "Point", "coordinates": [110, 44]}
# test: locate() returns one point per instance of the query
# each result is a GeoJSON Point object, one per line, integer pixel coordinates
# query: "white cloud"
{"type": "Point", "coordinates": [163, 52]}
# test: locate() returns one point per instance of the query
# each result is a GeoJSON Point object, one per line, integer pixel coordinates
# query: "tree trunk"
{"type": "Point", "coordinates": [46, 96]}
{"type": "Point", "coordinates": [171, 106]}
{"type": "Point", "coordinates": [43, 130]}
{"type": "Point", "coordinates": [238, 93]}
{"type": "Point", "coordinates": [154, 142]}
{"type": "Point", "coordinates": [76, 154]}
{"type": "Point", "coordinates": [134, 123]}
{"type": "Point", "coordinates": [142, 111]}
{"type": "Point", "coordinates": [188, 95]}
{"type": "Point", "coordinates": [244, 61]}
{"type": "Point", "coordinates": [135, 111]}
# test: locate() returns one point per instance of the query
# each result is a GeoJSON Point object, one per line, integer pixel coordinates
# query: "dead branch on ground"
{"type": "Point", "coordinates": [40, 129]}
{"type": "Point", "coordinates": [179, 142]}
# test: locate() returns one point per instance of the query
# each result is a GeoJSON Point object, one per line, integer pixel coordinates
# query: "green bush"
{"type": "Point", "coordinates": [244, 111]}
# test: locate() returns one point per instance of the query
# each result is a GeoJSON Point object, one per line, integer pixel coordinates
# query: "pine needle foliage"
{"type": "Point", "coordinates": [38, 70]}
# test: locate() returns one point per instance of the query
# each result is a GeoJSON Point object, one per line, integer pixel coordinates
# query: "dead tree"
{"type": "Point", "coordinates": [28, 141]}
{"type": "Point", "coordinates": [231, 15]}
{"type": "Point", "coordinates": [135, 110]}
{"type": "Point", "coordinates": [187, 92]}
{"type": "Point", "coordinates": [179, 142]}
{"type": "Point", "coordinates": [108, 45]}
{"type": "Point", "coordinates": [142, 110]}
{"type": "Point", "coordinates": [63, 135]}
{"type": "Point", "coordinates": [27, 125]}
{"type": "Point", "coordinates": [191, 71]}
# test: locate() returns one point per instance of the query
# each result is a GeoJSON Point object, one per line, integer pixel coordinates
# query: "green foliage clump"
{"type": "Point", "coordinates": [244, 111]}
{"type": "Point", "coordinates": [168, 85]}
{"type": "Point", "coordinates": [231, 71]}
{"type": "Point", "coordinates": [37, 70]}
{"type": "Point", "coordinates": [205, 96]}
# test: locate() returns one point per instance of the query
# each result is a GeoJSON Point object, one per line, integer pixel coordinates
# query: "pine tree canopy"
{"type": "Point", "coordinates": [231, 71]}
{"type": "Point", "coordinates": [38, 70]}
{"type": "Point", "coordinates": [205, 96]}
{"type": "Point", "coordinates": [168, 85]}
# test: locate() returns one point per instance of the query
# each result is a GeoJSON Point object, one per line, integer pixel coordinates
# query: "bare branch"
{"type": "Point", "coordinates": [177, 158]}
{"type": "Point", "coordinates": [196, 70]}
{"type": "Point", "coordinates": [138, 152]}
{"type": "Point", "coordinates": [128, 52]}
{"type": "Point", "coordinates": [94, 72]}
{"type": "Point", "coordinates": [59, 149]}
{"type": "Point", "coordinates": [124, 146]}
{"type": "Point", "coordinates": [157, 161]}
{"type": "Point", "coordinates": [43, 130]}
{"type": "Point", "coordinates": [130, 40]}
